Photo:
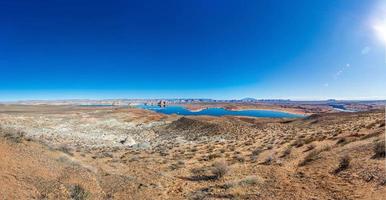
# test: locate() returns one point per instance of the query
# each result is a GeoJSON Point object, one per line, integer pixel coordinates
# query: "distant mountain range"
{"type": "Point", "coordinates": [185, 100]}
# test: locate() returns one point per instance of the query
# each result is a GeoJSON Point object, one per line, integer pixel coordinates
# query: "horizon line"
{"type": "Point", "coordinates": [214, 99]}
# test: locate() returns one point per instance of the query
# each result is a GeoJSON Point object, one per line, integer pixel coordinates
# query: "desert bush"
{"type": "Point", "coordinates": [213, 156]}
{"type": "Point", "coordinates": [254, 157]}
{"type": "Point", "coordinates": [341, 141]}
{"type": "Point", "coordinates": [174, 166]}
{"type": "Point", "coordinates": [309, 147]}
{"type": "Point", "coordinates": [239, 158]}
{"type": "Point", "coordinates": [250, 180]}
{"type": "Point", "coordinates": [180, 162]}
{"type": "Point", "coordinates": [219, 170]}
{"type": "Point", "coordinates": [308, 140]}
{"type": "Point", "coordinates": [344, 163]}
{"type": "Point", "coordinates": [383, 182]}
{"type": "Point", "coordinates": [371, 134]}
{"type": "Point", "coordinates": [78, 193]}
{"type": "Point", "coordinates": [267, 161]}
{"type": "Point", "coordinates": [198, 171]}
{"type": "Point", "coordinates": [338, 130]}
{"type": "Point", "coordinates": [65, 150]}
{"type": "Point", "coordinates": [298, 142]}
{"type": "Point", "coordinates": [312, 155]}
{"type": "Point", "coordinates": [286, 152]}
{"type": "Point", "coordinates": [325, 148]}
{"type": "Point", "coordinates": [12, 135]}
{"type": "Point", "coordinates": [198, 195]}
{"type": "Point", "coordinates": [382, 124]}
{"type": "Point", "coordinates": [379, 149]}
{"type": "Point", "coordinates": [256, 152]}
{"type": "Point", "coordinates": [106, 155]}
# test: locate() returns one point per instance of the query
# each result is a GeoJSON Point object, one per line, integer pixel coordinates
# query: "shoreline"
{"type": "Point", "coordinates": [289, 111]}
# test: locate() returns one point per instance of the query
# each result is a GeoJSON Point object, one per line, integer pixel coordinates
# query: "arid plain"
{"type": "Point", "coordinates": [73, 152]}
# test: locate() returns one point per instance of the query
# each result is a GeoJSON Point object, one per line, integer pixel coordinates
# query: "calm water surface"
{"type": "Point", "coordinates": [180, 110]}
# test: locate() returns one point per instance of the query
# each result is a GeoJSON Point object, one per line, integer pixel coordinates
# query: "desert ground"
{"type": "Point", "coordinates": [73, 152]}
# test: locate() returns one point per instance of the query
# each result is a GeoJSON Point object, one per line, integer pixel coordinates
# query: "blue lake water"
{"type": "Point", "coordinates": [180, 110]}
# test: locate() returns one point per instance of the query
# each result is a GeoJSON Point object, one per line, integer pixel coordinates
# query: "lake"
{"type": "Point", "coordinates": [180, 110]}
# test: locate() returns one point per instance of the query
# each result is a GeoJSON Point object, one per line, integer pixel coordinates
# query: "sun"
{"type": "Point", "coordinates": [380, 30]}
{"type": "Point", "coordinates": [378, 22]}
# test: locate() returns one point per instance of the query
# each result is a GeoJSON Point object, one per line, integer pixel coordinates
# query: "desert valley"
{"type": "Point", "coordinates": [97, 152]}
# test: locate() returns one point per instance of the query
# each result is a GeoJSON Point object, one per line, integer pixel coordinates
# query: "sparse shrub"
{"type": "Point", "coordinates": [106, 155]}
{"type": "Point", "coordinates": [308, 140]}
{"type": "Point", "coordinates": [298, 142]}
{"type": "Point", "coordinates": [78, 193]}
{"type": "Point", "coordinates": [251, 180]}
{"type": "Point", "coordinates": [240, 158]}
{"type": "Point", "coordinates": [163, 153]}
{"type": "Point", "coordinates": [227, 186]}
{"type": "Point", "coordinates": [325, 148]}
{"type": "Point", "coordinates": [321, 138]}
{"type": "Point", "coordinates": [197, 171]}
{"type": "Point", "coordinates": [286, 152]}
{"type": "Point", "coordinates": [341, 141]}
{"type": "Point", "coordinates": [382, 124]}
{"type": "Point", "coordinates": [12, 135]}
{"type": "Point", "coordinates": [371, 134]}
{"type": "Point", "coordinates": [382, 182]}
{"type": "Point", "coordinates": [256, 152]}
{"type": "Point", "coordinates": [312, 155]}
{"type": "Point", "coordinates": [174, 166]}
{"type": "Point", "coordinates": [180, 162]}
{"type": "Point", "coordinates": [309, 147]}
{"type": "Point", "coordinates": [219, 170]}
{"type": "Point", "coordinates": [65, 150]}
{"type": "Point", "coordinates": [213, 156]}
{"type": "Point", "coordinates": [344, 163]}
{"type": "Point", "coordinates": [338, 130]}
{"type": "Point", "coordinates": [198, 195]}
{"type": "Point", "coordinates": [267, 161]}
{"type": "Point", "coordinates": [379, 150]}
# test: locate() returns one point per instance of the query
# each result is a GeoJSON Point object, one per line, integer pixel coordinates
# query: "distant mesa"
{"type": "Point", "coordinates": [162, 103]}
{"type": "Point", "coordinates": [248, 99]}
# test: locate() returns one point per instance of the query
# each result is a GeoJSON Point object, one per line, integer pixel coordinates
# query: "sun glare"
{"type": "Point", "coordinates": [378, 23]}
{"type": "Point", "coordinates": [380, 31]}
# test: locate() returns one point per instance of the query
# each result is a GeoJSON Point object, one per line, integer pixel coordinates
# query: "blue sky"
{"type": "Point", "coordinates": [222, 49]}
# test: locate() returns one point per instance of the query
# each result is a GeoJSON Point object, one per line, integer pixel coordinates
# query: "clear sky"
{"type": "Point", "coordinates": [222, 49]}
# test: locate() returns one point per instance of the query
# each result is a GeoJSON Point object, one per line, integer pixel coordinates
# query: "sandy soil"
{"type": "Point", "coordinates": [64, 152]}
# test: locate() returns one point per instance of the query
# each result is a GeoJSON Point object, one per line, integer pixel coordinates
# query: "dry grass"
{"type": "Point", "coordinates": [286, 152]}
{"type": "Point", "coordinates": [219, 169]}
{"type": "Point", "coordinates": [309, 147]}
{"type": "Point", "coordinates": [344, 163]}
{"type": "Point", "coordinates": [250, 180]}
{"type": "Point", "coordinates": [379, 149]}
{"type": "Point", "coordinates": [78, 193]}
{"type": "Point", "coordinates": [14, 136]}
{"type": "Point", "coordinates": [311, 156]}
